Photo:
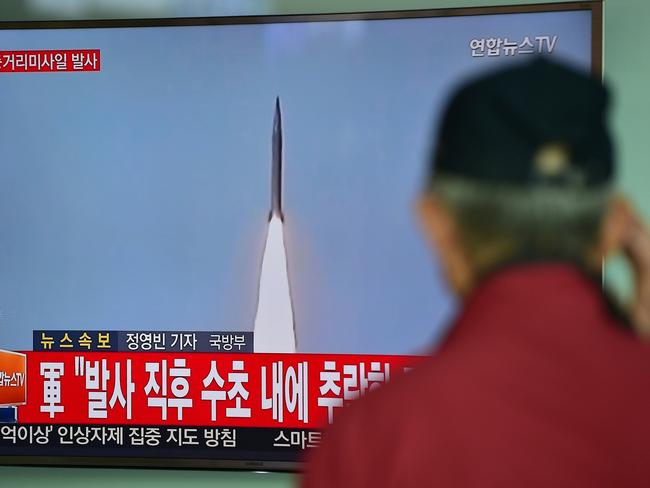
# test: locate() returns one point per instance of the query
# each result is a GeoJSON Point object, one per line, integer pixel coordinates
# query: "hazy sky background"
{"type": "Point", "coordinates": [137, 197]}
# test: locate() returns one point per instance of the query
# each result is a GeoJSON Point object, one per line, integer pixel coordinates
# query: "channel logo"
{"type": "Point", "coordinates": [13, 379]}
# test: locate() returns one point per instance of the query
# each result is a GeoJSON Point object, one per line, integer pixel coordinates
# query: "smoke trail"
{"type": "Point", "coordinates": [274, 327]}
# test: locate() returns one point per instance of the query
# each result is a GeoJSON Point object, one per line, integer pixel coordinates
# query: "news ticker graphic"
{"type": "Point", "coordinates": [49, 61]}
{"type": "Point", "coordinates": [142, 341]}
{"type": "Point", "coordinates": [195, 442]}
{"type": "Point", "coordinates": [13, 379]}
{"type": "Point", "coordinates": [186, 405]}
{"type": "Point", "coordinates": [281, 391]}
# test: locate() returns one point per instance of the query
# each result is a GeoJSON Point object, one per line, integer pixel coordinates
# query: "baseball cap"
{"type": "Point", "coordinates": [538, 121]}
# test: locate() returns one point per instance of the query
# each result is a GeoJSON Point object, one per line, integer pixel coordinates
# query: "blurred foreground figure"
{"type": "Point", "coordinates": [540, 382]}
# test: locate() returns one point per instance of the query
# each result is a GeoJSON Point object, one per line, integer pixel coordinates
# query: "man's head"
{"type": "Point", "coordinates": [523, 171]}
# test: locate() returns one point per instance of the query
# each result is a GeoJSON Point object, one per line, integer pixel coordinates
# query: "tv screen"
{"type": "Point", "coordinates": [207, 244]}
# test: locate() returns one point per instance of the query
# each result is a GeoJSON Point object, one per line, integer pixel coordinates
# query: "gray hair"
{"type": "Point", "coordinates": [500, 223]}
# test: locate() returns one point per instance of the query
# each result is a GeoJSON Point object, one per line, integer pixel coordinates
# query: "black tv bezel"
{"type": "Point", "coordinates": [596, 8]}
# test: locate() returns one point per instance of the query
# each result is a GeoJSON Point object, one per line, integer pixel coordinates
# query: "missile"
{"type": "Point", "coordinates": [274, 328]}
{"type": "Point", "coordinates": [276, 164]}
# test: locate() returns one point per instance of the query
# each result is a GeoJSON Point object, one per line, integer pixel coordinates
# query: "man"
{"type": "Point", "coordinates": [540, 382]}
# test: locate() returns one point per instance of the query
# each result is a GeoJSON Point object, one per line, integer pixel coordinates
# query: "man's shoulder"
{"type": "Point", "coordinates": [407, 396]}
{"type": "Point", "coordinates": [383, 433]}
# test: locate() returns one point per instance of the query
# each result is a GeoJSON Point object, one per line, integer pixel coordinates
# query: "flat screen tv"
{"type": "Point", "coordinates": [207, 246]}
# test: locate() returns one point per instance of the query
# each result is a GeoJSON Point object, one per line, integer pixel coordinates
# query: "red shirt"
{"type": "Point", "coordinates": [537, 385]}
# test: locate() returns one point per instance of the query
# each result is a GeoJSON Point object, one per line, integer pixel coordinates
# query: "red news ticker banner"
{"type": "Point", "coordinates": [50, 61]}
{"type": "Point", "coordinates": [200, 389]}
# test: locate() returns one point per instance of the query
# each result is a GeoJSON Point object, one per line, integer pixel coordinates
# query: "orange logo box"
{"type": "Point", "coordinates": [13, 378]}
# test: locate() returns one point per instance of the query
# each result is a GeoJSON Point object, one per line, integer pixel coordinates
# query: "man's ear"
{"type": "Point", "coordinates": [436, 222]}
{"type": "Point", "coordinates": [441, 232]}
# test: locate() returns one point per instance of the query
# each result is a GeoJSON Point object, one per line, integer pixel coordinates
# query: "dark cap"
{"type": "Point", "coordinates": [538, 121]}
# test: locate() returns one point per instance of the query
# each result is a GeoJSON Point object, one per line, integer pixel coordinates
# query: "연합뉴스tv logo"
{"type": "Point", "coordinates": [13, 379]}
